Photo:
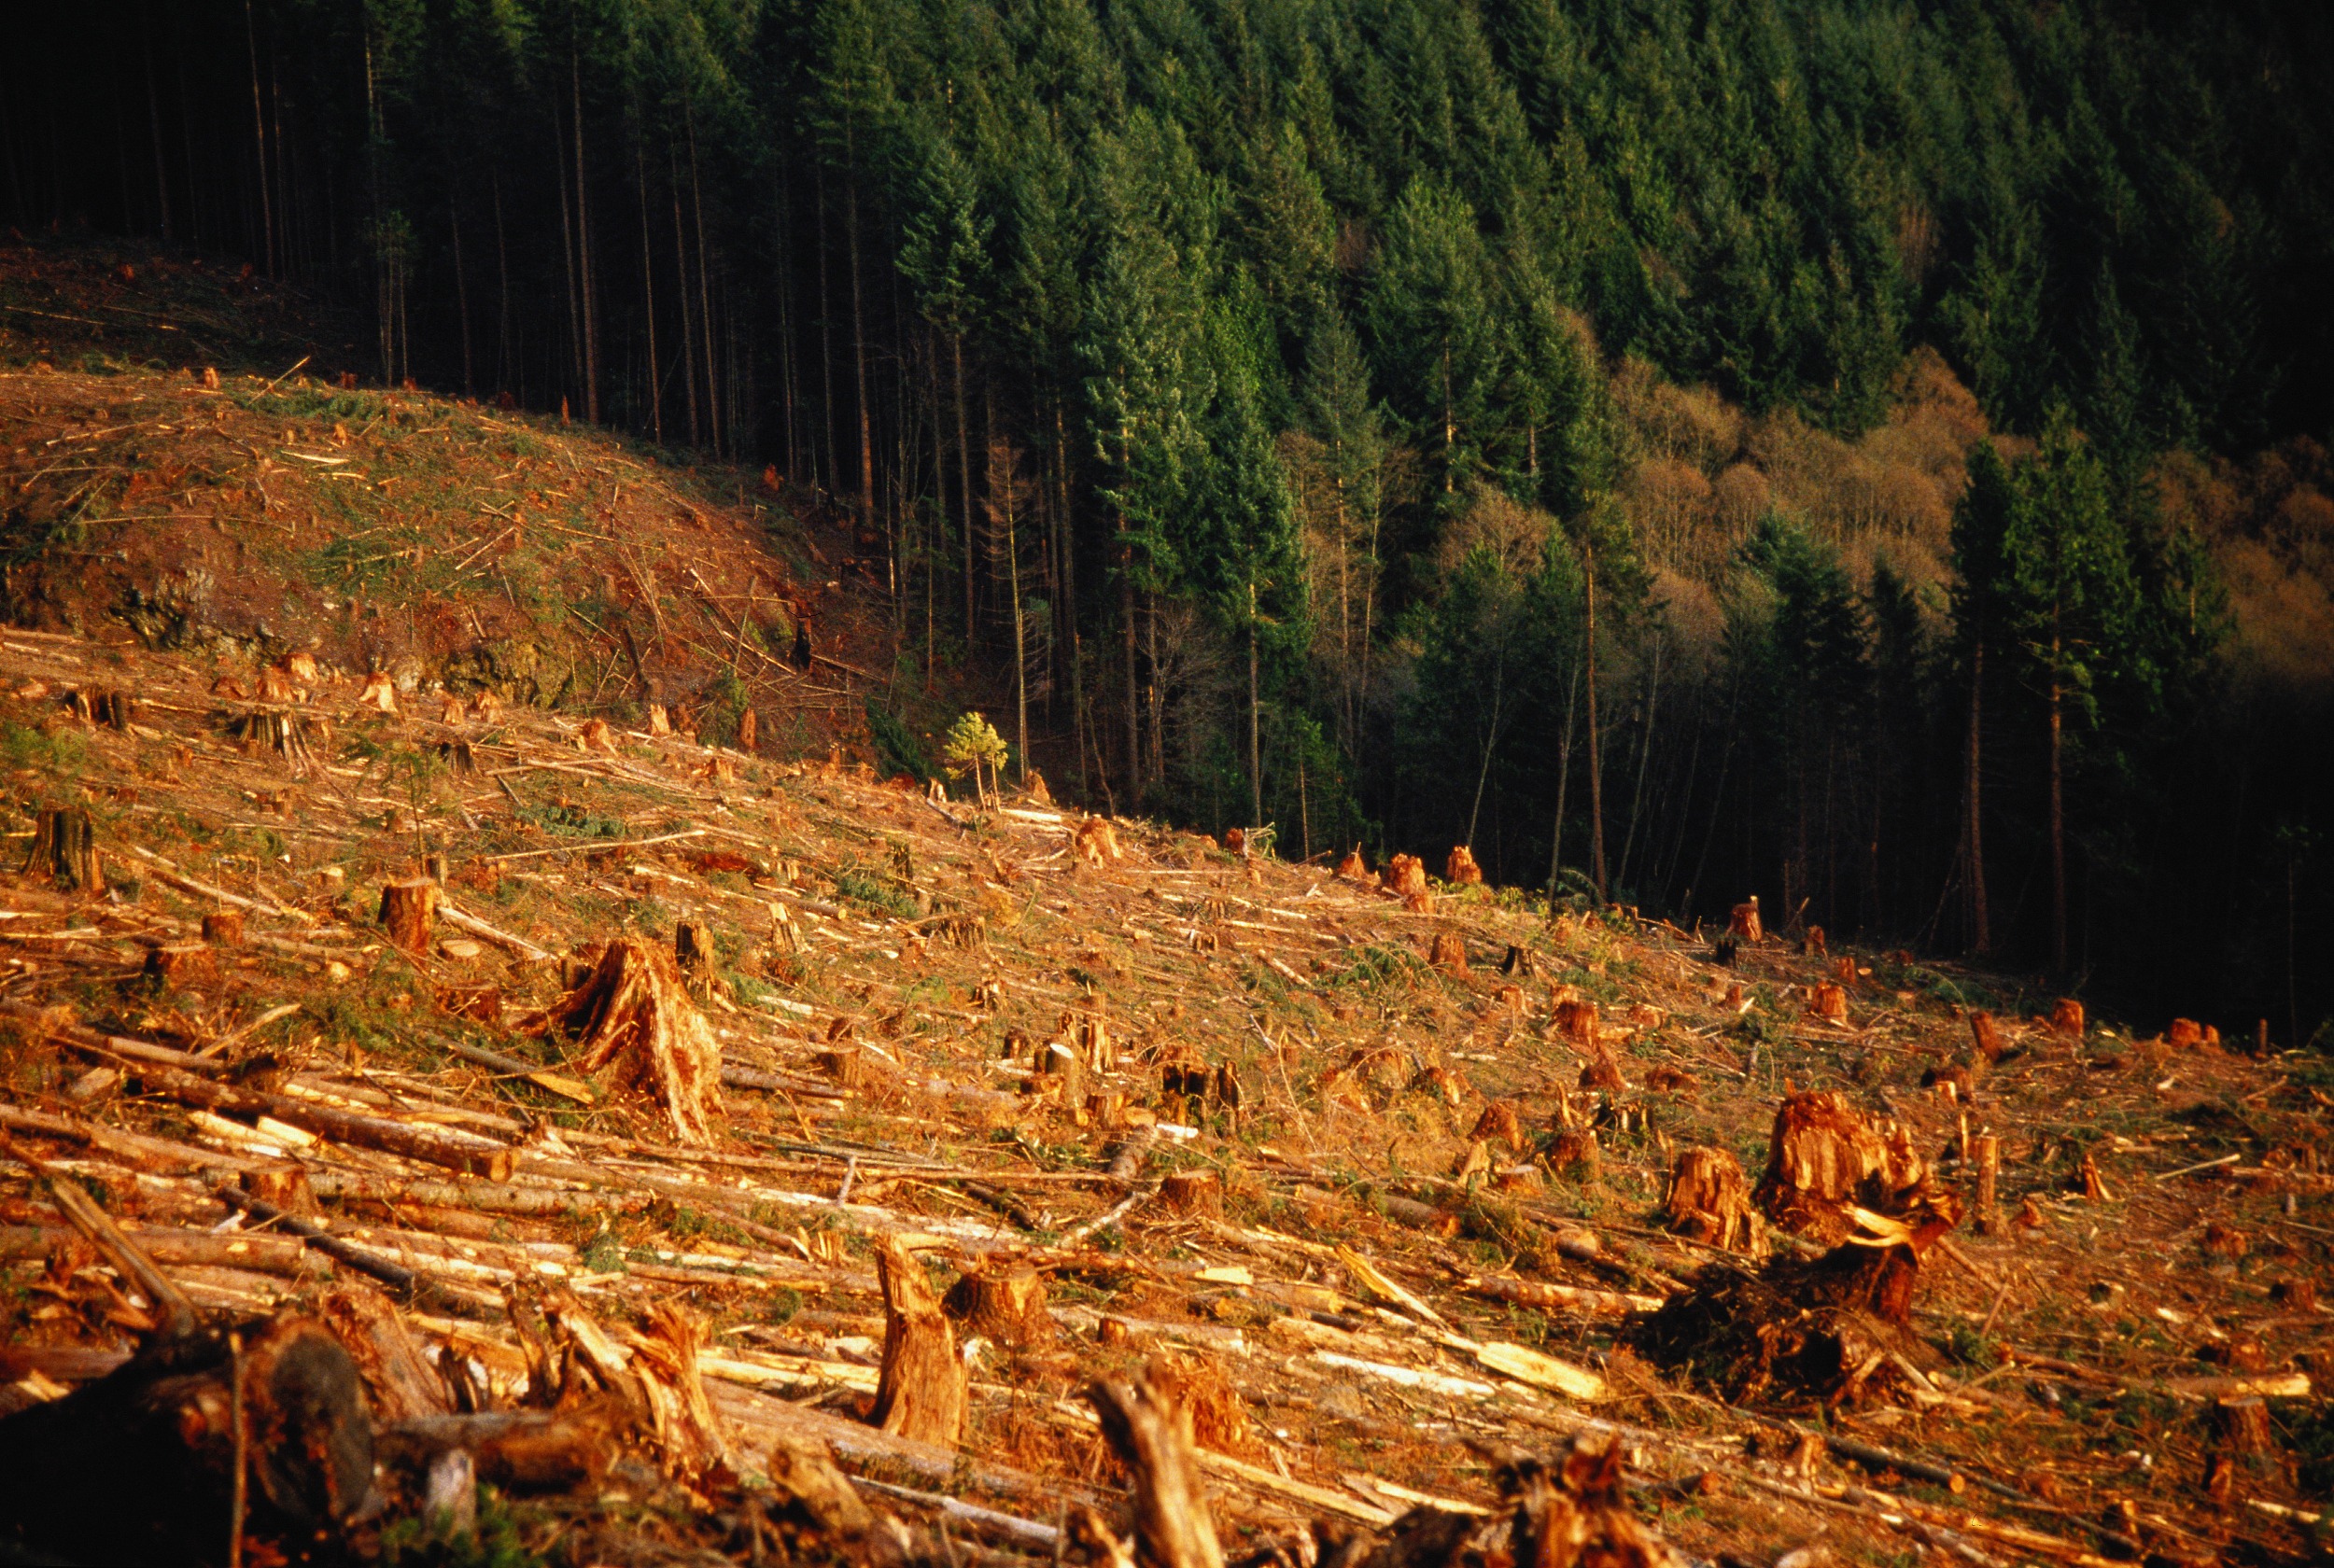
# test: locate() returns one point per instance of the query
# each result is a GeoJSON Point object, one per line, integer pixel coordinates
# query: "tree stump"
{"type": "Point", "coordinates": [2185, 1034]}
{"type": "Point", "coordinates": [1813, 944]}
{"type": "Point", "coordinates": [1059, 1062]}
{"type": "Point", "coordinates": [2066, 1019]}
{"type": "Point", "coordinates": [1500, 1122]}
{"type": "Point", "coordinates": [1518, 964]}
{"type": "Point", "coordinates": [181, 963]}
{"type": "Point", "coordinates": [1576, 1022]}
{"type": "Point", "coordinates": [920, 1391]}
{"type": "Point", "coordinates": [409, 910]}
{"type": "Point", "coordinates": [1829, 1003]}
{"type": "Point", "coordinates": [282, 1185]}
{"type": "Point", "coordinates": [1003, 1301]}
{"type": "Point", "coordinates": [1406, 876]}
{"type": "Point", "coordinates": [1107, 1109]}
{"type": "Point", "coordinates": [223, 928]}
{"type": "Point", "coordinates": [1448, 953]}
{"type": "Point", "coordinates": [1743, 924]}
{"type": "Point", "coordinates": [844, 1065]}
{"type": "Point", "coordinates": [380, 692]}
{"type": "Point", "coordinates": [1460, 868]}
{"type": "Point", "coordinates": [479, 1003]}
{"type": "Point", "coordinates": [64, 844]}
{"type": "Point", "coordinates": [1844, 972]}
{"type": "Point", "coordinates": [749, 731]}
{"type": "Point", "coordinates": [1985, 1036]}
{"type": "Point", "coordinates": [1193, 1194]}
{"type": "Point", "coordinates": [1603, 1070]}
{"type": "Point", "coordinates": [1351, 867]}
{"type": "Point", "coordinates": [1821, 1158]}
{"type": "Point", "coordinates": [1574, 1154]}
{"type": "Point", "coordinates": [659, 721]}
{"type": "Point", "coordinates": [1150, 1432]}
{"type": "Point", "coordinates": [2243, 1421]}
{"type": "Point", "coordinates": [1989, 1150]}
{"type": "Point", "coordinates": [635, 1015]}
{"type": "Point", "coordinates": [1709, 1199]}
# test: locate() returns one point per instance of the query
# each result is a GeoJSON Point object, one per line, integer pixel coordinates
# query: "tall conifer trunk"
{"type": "Point", "coordinates": [583, 238]}
{"type": "Point", "coordinates": [1596, 758]}
{"type": "Point", "coordinates": [1981, 938]}
{"type": "Point", "coordinates": [2058, 810]}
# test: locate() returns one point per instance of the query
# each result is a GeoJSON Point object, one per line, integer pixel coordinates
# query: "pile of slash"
{"type": "Point", "coordinates": [437, 1132]}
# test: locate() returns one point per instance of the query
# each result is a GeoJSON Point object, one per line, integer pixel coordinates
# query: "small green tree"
{"type": "Point", "coordinates": [975, 747]}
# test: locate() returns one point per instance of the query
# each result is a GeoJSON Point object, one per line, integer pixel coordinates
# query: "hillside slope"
{"type": "Point", "coordinates": [1358, 1206]}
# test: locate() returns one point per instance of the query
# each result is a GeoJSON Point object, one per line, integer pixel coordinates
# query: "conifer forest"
{"type": "Point", "coordinates": [1870, 454]}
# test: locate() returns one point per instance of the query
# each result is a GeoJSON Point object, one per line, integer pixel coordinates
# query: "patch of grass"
{"type": "Point", "coordinates": [23, 746]}
{"type": "Point", "coordinates": [1379, 965]}
{"type": "Point", "coordinates": [497, 1541]}
{"type": "Point", "coordinates": [873, 891]}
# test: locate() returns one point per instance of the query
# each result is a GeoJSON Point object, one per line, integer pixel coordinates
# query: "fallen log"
{"type": "Point", "coordinates": [170, 1249]}
{"type": "Point", "coordinates": [526, 1451]}
{"type": "Point", "coordinates": [408, 1284]}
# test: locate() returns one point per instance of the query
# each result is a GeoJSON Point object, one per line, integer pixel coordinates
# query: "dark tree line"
{"type": "Point", "coordinates": [1261, 385]}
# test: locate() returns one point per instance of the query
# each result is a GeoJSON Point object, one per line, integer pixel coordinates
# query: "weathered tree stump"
{"type": "Point", "coordinates": [409, 911]}
{"type": "Point", "coordinates": [1829, 1003]}
{"type": "Point", "coordinates": [635, 1017]}
{"type": "Point", "coordinates": [2066, 1019]}
{"type": "Point", "coordinates": [2244, 1423]}
{"type": "Point", "coordinates": [1406, 876]}
{"type": "Point", "coordinates": [1821, 1158]}
{"type": "Point", "coordinates": [1989, 1153]}
{"type": "Point", "coordinates": [1709, 1199]}
{"type": "Point", "coordinates": [181, 963]}
{"type": "Point", "coordinates": [1460, 868]}
{"type": "Point", "coordinates": [920, 1390]}
{"type": "Point", "coordinates": [844, 1065]}
{"type": "Point", "coordinates": [479, 1003]}
{"type": "Point", "coordinates": [1518, 964]}
{"type": "Point", "coordinates": [1193, 1194]}
{"type": "Point", "coordinates": [1448, 952]}
{"type": "Point", "coordinates": [1150, 1432]}
{"type": "Point", "coordinates": [1500, 1123]}
{"type": "Point", "coordinates": [64, 844]}
{"type": "Point", "coordinates": [1743, 923]}
{"type": "Point", "coordinates": [1985, 1036]}
{"type": "Point", "coordinates": [282, 1185]}
{"type": "Point", "coordinates": [1107, 1109]}
{"type": "Point", "coordinates": [223, 928]}
{"type": "Point", "coordinates": [691, 948]}
{"type": "Point", "coordinates": [1576, 1022]}
{"type": "Point", "coordinates": [1003, 1301]}
{"type": "Point", "coordinates": [1059, 1062]}
{"type": "Point", "coordinates": [1574, 1154]}
{"type": "Point", "coordinates": [1812, 943]}
{"type": "Point", "coordinates": [749, 731]}
{"type": "Point", "coordinates": [380, 692]}
{"type": "Point", "coordinates": [1603, 1070]}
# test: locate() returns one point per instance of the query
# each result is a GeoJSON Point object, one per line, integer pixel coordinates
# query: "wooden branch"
{"type": "Point", "coordinates": [461, 919]}
{"type": "Point", "coordinates": [408, 1284]}
{"type": "Point", "coordinates": [167, 872]}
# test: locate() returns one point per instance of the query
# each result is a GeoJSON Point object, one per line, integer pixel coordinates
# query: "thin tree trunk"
{"type": "Point", "coordinates": [1126, 628]}
{"type": "Point", "coordinates": [2057, 812]}
{"type": "Point", "coordinates": [154, 123]}
{"type": "Point", "coordinates": [461, 296]}
{"type": "Point", "coordinates": [1020, 647]}
{"type": "Point", "coordinates": [1491, 742]}
{"type": "Point", "coordinates": [858, 336]}
{"type": "Point", "coordinates": [963, 480]}
{"type": "Point", "coordinates": [503, 288]}
{"type": "Point", "coordinates": [567, 252]}
{"type": "Point", "coordinates": [713, 400]}
{"type": "Point", "coordinates": [1256, 753]}
{"type": "Point", "coordinates": [1596, 758]}
{"type": "Point", "coordinates": [258, 131]}
{"type": "Point", "coordinates": [1070, 596]}
{"type": "Point", "coordinates": [827, 341]}
{"type": "Point", "coordinates": [1644, 751]}
{"type": "Point", "coordinates": [584, 239]}
{"type": "Point", "coordinates": [1981, 938]}
{"type": "Point", "coordinates": [688, 327]}
{"type": "Point", "coordinates": [647, 291]}
{"type": "Point", "coordinates": [1563, 781]}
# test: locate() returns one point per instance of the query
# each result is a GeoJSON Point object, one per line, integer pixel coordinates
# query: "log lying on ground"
{"type": "Point", "coordinates": [176, 1249]}
{"type": "Point", "coordinates": [139, 1467]}
{"type": "Point", "coordinates": [922, 1393]}
{"type": "Point", "coordinates": [525, 1450]}
{"type": "Point", "coordinates": [637, 1023]}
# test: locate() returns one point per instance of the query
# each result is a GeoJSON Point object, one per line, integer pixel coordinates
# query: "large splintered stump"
{"type": "Point", "coordinates": [1406, 876]}
{"type": "Point", "coordinates": [920, 1390]}
{"type": "Point", "coordinates": [1821, 1158]}
{"type": "Point", "coordinates": [1498, 1122]}
{"type": "Point", "coordinates": [1002, 1301]}
{"type": "Point", "coordinates": [409, 911]}
{"type": "Point", "coordinates": [1709, 1199]}
{"type": "Point", "coordinates": [1985, 1035]}
{"type": "Point", "coordinates": [1460, 867]}
{"type": "Point", "coordinates": [1836, 1328]}
{"type": "Point", "coordinates": [380, 692]}
{"type": "Point", "coordinates": [1150, 1432]}
{"type": "Point", "coordinates": [2066, 1019]}
{"type": "Point", "coordinates": [665, 1353]}
{"type": "Point", "coordinates": [1448, 953]}
{"type": "Point", "coordinates": [636, 1023]}
{"type": "Point", "coordinates": [1744, 925]}
{"type": "Point", "coordinates": [139, 1467]}
{"type": "Point", "coordinates": [65, 847]}
{"type": "Point", "coordinates": [1353, 868]}
{"type": "Point", "coordinates": [1095, 843]}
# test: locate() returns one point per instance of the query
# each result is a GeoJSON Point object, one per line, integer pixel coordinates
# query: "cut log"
{"type": "Point", "coordinates": [65, 848]}
{"type": "Point", "coordinates": [2066, 1019]}
{"type": "Point", "coordinates": [635, 1023]}
{"type": "Point", "coordinates": [1002, 1301]}
{"type": "Point", "coordinates": [1460, 868]}
{"type": "Point", "coordinates": [1709, 1200]}
{"type": "Point", "coordinates": [1150, 1432]}
{"type": "Point", "coordinates": [166, 1423]}
{"type": "Point", "coordinates": [920, 1391]}
{"type": "Point", "coordinates": [399, 1384]}
{"type": "Point", "coordinates": [1985, 1036]}
{"type": "Point", "coordinates": [223, 927]}
{"type": "Point", "coordinates": [409, 911]}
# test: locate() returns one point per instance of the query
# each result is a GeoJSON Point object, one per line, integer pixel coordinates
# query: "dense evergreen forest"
{"type": "Point", "coordinates": [1869, 455]}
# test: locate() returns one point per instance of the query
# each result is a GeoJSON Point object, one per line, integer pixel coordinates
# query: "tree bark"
{"type": "Point", "coordinates": [407, 910]}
